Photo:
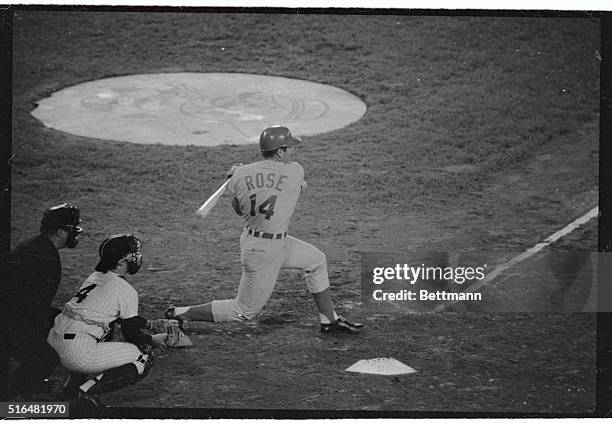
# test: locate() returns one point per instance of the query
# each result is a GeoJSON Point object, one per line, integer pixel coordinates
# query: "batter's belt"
{"type": "Point", "coordinates": [266, 235]}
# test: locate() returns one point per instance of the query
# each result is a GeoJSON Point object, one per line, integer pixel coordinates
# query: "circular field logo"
{"type": "Point", "coordinates": [204, 109]}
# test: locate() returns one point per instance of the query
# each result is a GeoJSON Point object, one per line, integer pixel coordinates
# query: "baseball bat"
{"type": "Point", "coordinates": [212, 200]}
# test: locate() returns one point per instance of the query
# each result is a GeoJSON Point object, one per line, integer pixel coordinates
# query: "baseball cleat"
{"type": "Point", "coordinates": [170, 313]}
{"type": "Point", "coordinates": [341, 326]}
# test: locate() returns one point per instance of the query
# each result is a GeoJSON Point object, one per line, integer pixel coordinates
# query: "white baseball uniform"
{"type": "Point", "coordinates": [80, 329]}
{"type": "Point", "coordinates": [267, 192]}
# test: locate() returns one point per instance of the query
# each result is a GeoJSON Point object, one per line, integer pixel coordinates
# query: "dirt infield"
{"type": "Point", "coordinates": [481, 135]}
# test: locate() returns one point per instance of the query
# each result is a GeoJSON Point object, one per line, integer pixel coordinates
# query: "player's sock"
{"type": "Point", "coordinates": [181, 310]}
{"type": "Point", "coordinates": [90, 383]}
{"type": "Point", "coordinates": [140, 366]}
{"type": "Point", "coordinates": [325, 320]}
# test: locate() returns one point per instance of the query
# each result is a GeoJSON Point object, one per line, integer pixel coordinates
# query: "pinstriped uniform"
{"type": "Point", "coordinates": [83, 324]}
{"type": "Point", "coordinates": [267, 193]}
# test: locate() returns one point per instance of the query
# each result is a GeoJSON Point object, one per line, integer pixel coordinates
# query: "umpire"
{"type": "Point", "coordinates": [34, 271]}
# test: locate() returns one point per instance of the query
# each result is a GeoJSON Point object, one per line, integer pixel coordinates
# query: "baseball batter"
{"type": "Point", "coordinates": [265, 193]}
{"type": "Point", "coordinates": [106, 297]}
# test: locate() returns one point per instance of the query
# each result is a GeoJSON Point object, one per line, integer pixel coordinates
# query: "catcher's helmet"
{"type": "Point", "coordinates": [115, 248]}
{"type": "Point", "coordinates": [276, 137]}
{"type": "Point", "coordinates": [64, 216]}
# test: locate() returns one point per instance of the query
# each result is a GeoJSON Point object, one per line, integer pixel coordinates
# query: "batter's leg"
{"type": "Point", "coordinates": [261, 261]}
{"type": "Point", "coordinates": [325, 305]}
{"type": "Point", "coordinates": [312, 261]}
{"type": "Point", "coordinates": [196, 312]}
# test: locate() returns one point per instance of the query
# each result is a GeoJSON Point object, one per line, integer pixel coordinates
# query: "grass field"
{"type": "Point", "coordinates": [480, 136]}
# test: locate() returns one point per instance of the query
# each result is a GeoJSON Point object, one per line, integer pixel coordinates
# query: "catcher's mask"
{"type": "Point", "coordinates": [117, 247]}
{"type": "Point", "coordinates": [65, 216]}
{"type": "Point", "coordinates": [277, 137]}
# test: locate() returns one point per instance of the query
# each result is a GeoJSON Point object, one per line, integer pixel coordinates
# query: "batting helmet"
{"type": "Point", "coordinates": [276, 137]}
{"type": "Point", "coordinates": [115, 248]}
{"type": "Point", "coordinates": [64, 216]}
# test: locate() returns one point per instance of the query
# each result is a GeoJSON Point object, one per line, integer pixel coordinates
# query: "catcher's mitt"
{"type": "Point", "coordinates": [176, 338]}
{"type": "Point", "coordinates": [162, 325]}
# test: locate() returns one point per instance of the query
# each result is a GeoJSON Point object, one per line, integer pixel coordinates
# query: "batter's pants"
{"type": "Point", "coordinates": [262, 260]}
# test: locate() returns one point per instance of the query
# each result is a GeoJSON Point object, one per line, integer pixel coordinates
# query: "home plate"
{"type": "Point", "coordinates": [381, 366]}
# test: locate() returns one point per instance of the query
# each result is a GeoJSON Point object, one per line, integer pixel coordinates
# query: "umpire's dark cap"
{"type": "Point", "coordinates": [61, 216]}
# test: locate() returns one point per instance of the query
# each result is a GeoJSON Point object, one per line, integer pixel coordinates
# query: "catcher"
{"type": "Point", "coordinates": [82, 331]}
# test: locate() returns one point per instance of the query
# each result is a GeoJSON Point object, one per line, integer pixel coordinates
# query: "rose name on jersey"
{"type": "Point", "coordinates": [261, 180]}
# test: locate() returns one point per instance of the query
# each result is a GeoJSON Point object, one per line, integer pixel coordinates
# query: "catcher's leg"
{"type": "Point", "coordinates": [112, 375]}
{"type": "Point", "coordinates": [117, 377]}
{"type": "Point", "coordinates": [84, 354]}
{"type": "Point", "coordinates": [72, 384]}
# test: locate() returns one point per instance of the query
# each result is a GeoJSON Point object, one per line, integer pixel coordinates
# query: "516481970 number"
{"type": "Point", "coordinates": [28, 409]}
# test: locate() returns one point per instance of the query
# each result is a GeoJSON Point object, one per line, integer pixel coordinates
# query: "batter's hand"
{"type": "Point", "coordinates": [230, 172]}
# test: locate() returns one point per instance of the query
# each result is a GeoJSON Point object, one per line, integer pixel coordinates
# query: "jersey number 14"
{"type": "Point", "coordinates": [267, 207]}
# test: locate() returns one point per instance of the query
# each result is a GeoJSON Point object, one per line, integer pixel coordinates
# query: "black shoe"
{"type": "Point", "coordinates": [341, 326]}
{"type": "Point", "coordinates": [90, 400]}
{"type": "Point", "coordinates": [48, 386]}
{"type": "Point", "coordinates": [170, 314]}
{"type": "Point", "coordinates": [71, 386]}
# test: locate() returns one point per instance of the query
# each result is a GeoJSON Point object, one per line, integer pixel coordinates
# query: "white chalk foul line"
{"type": "Point", "coordinates": [594, 212]}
